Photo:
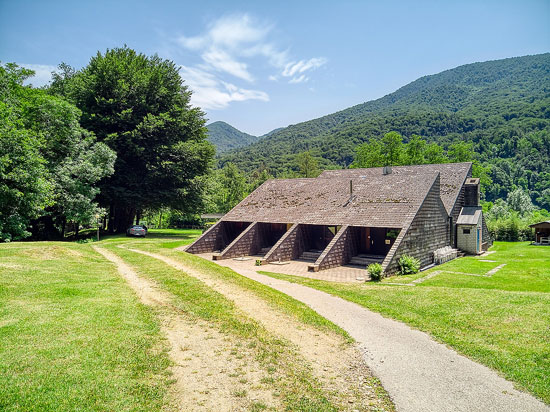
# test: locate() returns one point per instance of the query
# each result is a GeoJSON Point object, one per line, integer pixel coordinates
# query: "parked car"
{"type": "Point", "coordinates": [137, 230]}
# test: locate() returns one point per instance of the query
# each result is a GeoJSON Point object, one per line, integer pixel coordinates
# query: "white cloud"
{"type": "Point", "coordinates": [211, 93]}
{"type": "Point", "coordinates": [293, 68]}
{"type": "Point", "coordinates": [42, 76]}
{"type": "Point", "coordinates": [222, 61]}
{"type": "Point", "coordinates": [228, 39]}
{"type": "Point", "coordinates": [231, 46]}
{"type": "Point", "coordinates": [299, 79]}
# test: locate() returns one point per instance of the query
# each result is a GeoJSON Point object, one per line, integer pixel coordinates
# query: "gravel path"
{"type": "Point", "coordinates": [201, 355]}
{"type": "Point", "coordinates": [418, 373]}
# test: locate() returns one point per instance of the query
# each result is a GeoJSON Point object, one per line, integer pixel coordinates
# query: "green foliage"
{"type": "Point", "coordinates": [520, 202]}
{"type": "Point", "coordinates": [408, 265]}
{"type": "Point", "coordinates": [375, 271]}
{"type": "Point", "coordinates": [308, 166]}
{"type": "Point", "coordinates": [139, 107]}
{"type": "Point", "coordinates": [258, 177]}
{"type": "Point", "coordinates": [501, 108]}
{"type": "Point", "coordinates": [25, 187]}
{"type": "Point", "coordinates": [368, 155]}
{"type": "Point", "coordinates": [509, 219]}
{"type": "Point", "coordinates": [225, 137]}
{"type": "Point", "coordinates": [392, 148]}
{"type": "Point", "coordinates": [224, 189]}
{"type": "Point", "coordinates": [69, 160]}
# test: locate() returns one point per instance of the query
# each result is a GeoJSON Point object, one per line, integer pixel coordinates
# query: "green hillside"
{"type": "Point", "coordinates": [225, 137]}
{"type": "Point", "coordinates": [501, 106]}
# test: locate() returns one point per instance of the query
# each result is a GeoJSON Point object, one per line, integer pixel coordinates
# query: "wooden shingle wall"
{"type": "Point", "coordinates": [426, 233]}
{"type": "Point", "coordinates": [290, 245]}
{"type": "Point", "coordinates": [209, 241]}
{"type": "Point", "coordinates": [339, 251]}
{"type": "Point", "coordinates": [246, 244]}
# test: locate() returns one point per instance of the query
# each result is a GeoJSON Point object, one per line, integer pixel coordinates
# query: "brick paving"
{"type": "Point", "coordinates": [296, 268]}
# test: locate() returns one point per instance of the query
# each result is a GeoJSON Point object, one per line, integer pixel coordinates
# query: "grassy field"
{"type": "Point", "coordinates": [75, 337]}
{"type": "Point", "coordinates": [287, 375]}
{"type": "Point", "coordinates": [502, 321]}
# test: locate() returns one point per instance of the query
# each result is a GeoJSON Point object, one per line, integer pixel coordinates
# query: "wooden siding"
{"type": "Point", "coordinates": [426, 233]}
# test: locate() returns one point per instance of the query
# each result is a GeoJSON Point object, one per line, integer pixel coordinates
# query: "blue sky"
{"type": "Point", "coordinates": [259, 65]}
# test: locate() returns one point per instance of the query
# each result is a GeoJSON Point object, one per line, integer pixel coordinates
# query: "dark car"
{"type": "Point", "coordinates": [137, 230]}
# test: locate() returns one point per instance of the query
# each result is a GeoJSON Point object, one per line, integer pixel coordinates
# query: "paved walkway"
{"type": "Point", "coordinates": [299, 268]}
{"type": "Point", "coordinates": [418, 373]}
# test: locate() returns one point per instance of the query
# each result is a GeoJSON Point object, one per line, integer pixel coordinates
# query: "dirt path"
{"type": "Point", "coordinates": [207, 375]}
{"type": "Point", "coordinates": [339, 366]}
{"type": "Point", "coordinates": [419, 373]}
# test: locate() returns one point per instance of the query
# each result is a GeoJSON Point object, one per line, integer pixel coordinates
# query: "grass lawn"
{"type": "Point", "coordinates": [502, 321]}
{"type": "Point", "coordinates": [73, 335]}
{"type": "Point", "coordinates": [284, 372]}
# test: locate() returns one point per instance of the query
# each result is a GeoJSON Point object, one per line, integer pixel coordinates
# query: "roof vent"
{"type": "Point", "coordinates": [386, 170]}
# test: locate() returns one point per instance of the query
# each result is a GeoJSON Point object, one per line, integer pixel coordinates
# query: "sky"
{"type": "Point", "coordinates": [259, 65]}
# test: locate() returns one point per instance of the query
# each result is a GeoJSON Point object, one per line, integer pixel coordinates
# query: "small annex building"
{"type": "Point", "coordinates": [542, 232]}
{"type": "Point", "coordinates": [352, 216]}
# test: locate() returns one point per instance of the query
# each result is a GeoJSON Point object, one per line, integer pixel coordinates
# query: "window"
{"type": "Point", "coordinates": [466, 231]}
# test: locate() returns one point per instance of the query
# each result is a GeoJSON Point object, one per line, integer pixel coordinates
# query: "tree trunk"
{"type": "Point", "coordinates": [111, 226]}
{"type": "Point", "coordinates": [124, 218]}
{"type": "Point", "coordinates": [63, 226]}
{"type": "Point", "coordinates": [138, 216]}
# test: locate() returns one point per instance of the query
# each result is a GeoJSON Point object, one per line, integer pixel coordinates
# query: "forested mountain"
{"type": "Point", "coordinates": [225, 137]}
{"type": "Point", "coordinates": [502, 107]}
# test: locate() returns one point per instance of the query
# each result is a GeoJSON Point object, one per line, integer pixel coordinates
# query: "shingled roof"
{"type": "Point", "coordinates": [389, 201]}
{"type": "Point", "coordinates": [452, 177]}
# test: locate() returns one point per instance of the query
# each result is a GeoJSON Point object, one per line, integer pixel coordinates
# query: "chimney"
{"type": "Point", "coordinates": [471, 192]}
{"type": "Point", "coordinates": [386, 170]}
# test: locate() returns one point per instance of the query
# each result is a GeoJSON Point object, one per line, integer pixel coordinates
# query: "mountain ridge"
{"type": "Point", "coordinates": [227, 137]}
{"type": "Point", "coordinates": [493, 105]}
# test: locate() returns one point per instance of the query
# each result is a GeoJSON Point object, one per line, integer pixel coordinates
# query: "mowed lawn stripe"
{"type": "Point", "coordinates": [73, 335]}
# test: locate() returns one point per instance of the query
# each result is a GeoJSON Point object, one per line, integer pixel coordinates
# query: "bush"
{"type": "Point", "coordinates": [408, 265]}
{"type": "Point", "coordinates": [375, 271]}
{"type": "Point", "coordinates": [258, 262]}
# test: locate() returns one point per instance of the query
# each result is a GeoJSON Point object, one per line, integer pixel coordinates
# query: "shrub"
{"type": "Point", "coordinates": [408, 265]}
{"type": "Point", "coordinates": [375, 271]}
{"type": "Point", "coordinates": [258, 262]}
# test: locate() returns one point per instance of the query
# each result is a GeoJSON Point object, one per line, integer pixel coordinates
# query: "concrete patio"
{"type": "Point", "coordinates": [294, 267]}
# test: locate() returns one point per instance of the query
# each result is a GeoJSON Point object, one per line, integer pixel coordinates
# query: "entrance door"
{"type": "Point", "coordinates": [378, 241]}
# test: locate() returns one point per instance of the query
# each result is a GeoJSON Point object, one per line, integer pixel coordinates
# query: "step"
{"type": "Point", "coordinates": [368, 256]}
{"type": "Point", "coordinates": [263, 251]}
{"type": "Point", "coordinates": [364, 260]}
{"type": "Point", "coordinates": [310, 256]}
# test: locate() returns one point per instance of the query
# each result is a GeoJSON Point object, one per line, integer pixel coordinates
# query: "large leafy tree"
{"type": "Point", "coordinates": [49, 165]}
{"type": "Point", "coordinates": [25, 189]}
{"type": "Point", "coordinates": [76, 162]}
{"type": "Point", "coordinates": [140, 108]}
